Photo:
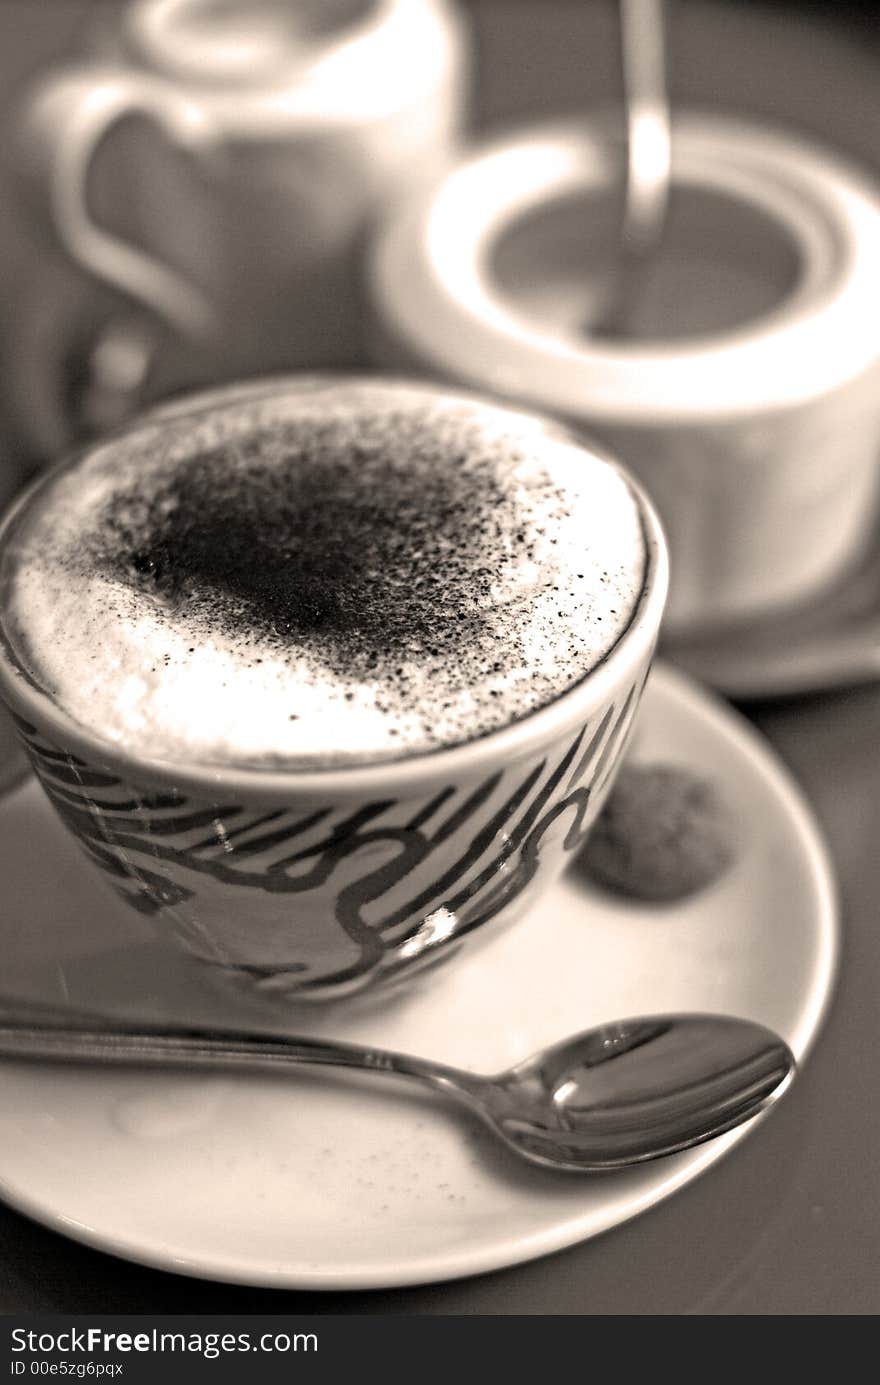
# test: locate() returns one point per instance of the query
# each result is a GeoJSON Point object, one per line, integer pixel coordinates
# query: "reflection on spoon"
{"type": "Point", "coordinates": [616, 1095]}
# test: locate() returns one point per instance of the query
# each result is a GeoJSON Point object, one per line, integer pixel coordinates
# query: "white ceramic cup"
{"type": "Point", "coordinates": [262, 136]}
{"type": "Point", "coordinates": [317, 882]}
{"type": "Point", "coordinates": [748, 405]}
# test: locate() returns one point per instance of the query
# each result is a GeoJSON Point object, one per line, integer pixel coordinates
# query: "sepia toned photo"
{"type": "Point", "coordinates": [439, 668]}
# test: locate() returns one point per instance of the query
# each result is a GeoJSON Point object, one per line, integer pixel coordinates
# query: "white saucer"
{"type": "Point", "coordinates": [325, 1184]}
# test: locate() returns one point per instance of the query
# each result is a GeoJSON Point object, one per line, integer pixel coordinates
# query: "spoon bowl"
{"type": "Point", "coordinates": [635, 1090]}
{"type": "Point", "coordinates": [613, 1096]}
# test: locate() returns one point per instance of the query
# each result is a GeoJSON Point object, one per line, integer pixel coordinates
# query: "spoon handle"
{"type": "Point", "coordinates": [647, 118]}
{"type": "Point", "coordinates": [648, 164]}
{"type": "Point", "coordinates": [228, 1050]}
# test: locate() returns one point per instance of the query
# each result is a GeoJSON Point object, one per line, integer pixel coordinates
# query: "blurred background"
{"type": "Point", "coordinates": [811, 66]}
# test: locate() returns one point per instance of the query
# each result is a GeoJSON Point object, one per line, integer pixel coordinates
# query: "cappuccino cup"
{"type": "Point", "coordinates": [326, 674]}
{"type": "Point", "coordinates": [745, 398]}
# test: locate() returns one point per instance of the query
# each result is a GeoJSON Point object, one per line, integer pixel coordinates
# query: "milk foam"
{"type": "Point", "coordinates": [323, 574]}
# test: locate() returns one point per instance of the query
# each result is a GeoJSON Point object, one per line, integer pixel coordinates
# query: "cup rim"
{"type": "Point", "coordinates": [439, 244]}
{"type": "Point", "coordinates": [272, 784]}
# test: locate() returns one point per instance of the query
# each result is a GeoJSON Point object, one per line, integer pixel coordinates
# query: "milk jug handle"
{"type": "Point", "coordinates": [65, 117]}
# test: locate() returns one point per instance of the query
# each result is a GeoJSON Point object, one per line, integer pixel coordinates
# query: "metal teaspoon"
{"type": "Point", "coordinates": [620, 1094]}
{"type": "Point", "coordinates": [648, 163]}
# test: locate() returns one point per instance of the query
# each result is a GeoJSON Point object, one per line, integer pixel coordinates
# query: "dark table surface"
{"type": "Point", "coordinates": [789, 1222]}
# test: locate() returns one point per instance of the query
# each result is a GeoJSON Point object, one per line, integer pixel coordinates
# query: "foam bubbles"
{"type": "Point", "coordinates": [324, 573]}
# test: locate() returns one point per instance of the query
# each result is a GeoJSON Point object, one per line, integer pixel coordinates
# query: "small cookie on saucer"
{"type": "Point", "coordinates": [664, 834]}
